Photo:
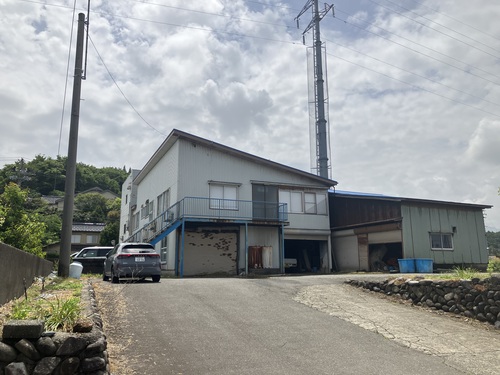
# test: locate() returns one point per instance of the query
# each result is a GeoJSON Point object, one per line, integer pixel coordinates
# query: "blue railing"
{"type": "Point", "coordinates": [212, 209]}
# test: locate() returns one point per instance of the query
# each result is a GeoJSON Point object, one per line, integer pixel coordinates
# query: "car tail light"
{"type": "Point", "coordinates": [123, 256]}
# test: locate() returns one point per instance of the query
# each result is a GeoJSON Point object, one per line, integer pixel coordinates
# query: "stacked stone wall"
{"type": "Point", "coordinates": [27, 349]}
{"type": "Point", "coordinates": [478, 299]}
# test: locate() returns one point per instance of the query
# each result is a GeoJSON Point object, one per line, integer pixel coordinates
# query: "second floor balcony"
{"type": "Point", "coordinates": [212, 210]}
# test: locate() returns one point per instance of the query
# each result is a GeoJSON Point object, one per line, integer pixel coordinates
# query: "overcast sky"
{"type": "Point", "coordinates": [414, 87]}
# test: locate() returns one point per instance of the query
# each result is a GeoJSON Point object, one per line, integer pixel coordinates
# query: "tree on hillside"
{"type": "Point", "coordinates": [18, 228]}
{"type": "Point", "coordinates": [111, 231]}
{"type": "Point", "coordinates": [493, 240]}
{"type": "Point", "coordinates": [90, 208]}
{"type": "Point", "coordinates": [46, 176]}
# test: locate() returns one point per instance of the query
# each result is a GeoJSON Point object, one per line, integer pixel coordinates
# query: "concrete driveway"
{"type": "Point", "coordinates": [283, 325]}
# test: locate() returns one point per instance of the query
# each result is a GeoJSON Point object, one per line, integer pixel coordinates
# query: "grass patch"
{"type": "Point", "coordinates": [459, 273]}
{"type": "Point", "coordinates": [57, 303]}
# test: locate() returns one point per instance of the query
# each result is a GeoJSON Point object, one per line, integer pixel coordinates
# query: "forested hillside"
{"type": "Point", "coordinates": [46, 176]}
{"type": "Point", "coordinates": [29, 223]}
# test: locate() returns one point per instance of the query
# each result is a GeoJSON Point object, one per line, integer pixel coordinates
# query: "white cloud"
{"type": "Point", "coordinates": [235, 72]}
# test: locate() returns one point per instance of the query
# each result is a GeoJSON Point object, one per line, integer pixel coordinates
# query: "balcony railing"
{"type": "Point", "coordinates": [212, 209]}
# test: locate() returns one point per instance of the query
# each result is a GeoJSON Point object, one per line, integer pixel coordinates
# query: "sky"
{"type": "Point", "coordinates": [413, 87]}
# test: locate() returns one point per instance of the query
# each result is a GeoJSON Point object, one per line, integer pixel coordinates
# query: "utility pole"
{"type": "Point", "coordinates": [321, 133]}
{"type": "Point", "coordinates": [69, 189]}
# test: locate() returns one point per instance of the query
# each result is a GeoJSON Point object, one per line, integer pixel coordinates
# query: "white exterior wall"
{"type": "Point", "coordinates": [260, 236]}
{"type": "Point", "coordinates": [201, 165]}
{"type": "Point", "coordinates": [128, 199]}
{"type": "Point", "coordinates": [187, 168]}
{"type": "Point", "coordinates": [345, 250]}
{"type": "Point", "coordinates": [164, 176]}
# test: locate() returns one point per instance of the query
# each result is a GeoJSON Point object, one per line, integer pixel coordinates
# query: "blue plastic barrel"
{"type": "Point", "coordinates": [423, 265]}
{"type": "Point", "coordinates": [406, 265]}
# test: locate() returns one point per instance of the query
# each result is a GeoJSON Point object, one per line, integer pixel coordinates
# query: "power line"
{"type": "Point", "coordinates": [214, 14]}
{"type": "Point", "coordinates": [415, 74]}
{"type": "Point", "coordinates": [424, 54]}
{"type": "Point", "coordinates": [438, 31]}
{"type": "Point", "coordinates": [416, 87]}
{"type": "Point", "coordinates": [456, 20]}
{"type": "Point", "coordinates": [297, 43]}
{"type": "Point", "coordinates": [66, 81]}
{"type": "Point", "coordinates": [123, 94]}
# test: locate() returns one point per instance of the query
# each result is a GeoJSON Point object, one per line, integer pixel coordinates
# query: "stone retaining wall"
{"type": "Point", "coordinates": [478, 299]}
{"type": "Point", "coordinates": [26, 349]}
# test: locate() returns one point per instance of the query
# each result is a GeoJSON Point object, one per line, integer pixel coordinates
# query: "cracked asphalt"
{"type": "Point", "coordinates": [473, 347]}
{"type": "Point", "coordinates": [283, 325]}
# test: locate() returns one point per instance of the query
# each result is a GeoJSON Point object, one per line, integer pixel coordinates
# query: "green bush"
{"type": "Point", "coordinates": [494, 265]}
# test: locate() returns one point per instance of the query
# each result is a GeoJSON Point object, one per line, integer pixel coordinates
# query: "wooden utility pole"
{"type": "Point", "coordinates": [69, 188]}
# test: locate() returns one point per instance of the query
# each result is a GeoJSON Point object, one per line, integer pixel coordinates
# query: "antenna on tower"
{"type": "Point", "coordinates": [318, 91]}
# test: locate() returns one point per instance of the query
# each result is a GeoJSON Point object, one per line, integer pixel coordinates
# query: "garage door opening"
{"type": "Point", "coordinates": [302, 256]}
{"type": "Point", "coordinates": [384, 257]}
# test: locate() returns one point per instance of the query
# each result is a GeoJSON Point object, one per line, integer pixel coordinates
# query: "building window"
{"type": "Point", "coordinates": [92, 238]}
{"type": "Point", "coordinates": [293, 200]}
{"type": "Point", "coordinates": [162, 202]}
{"type": "Point", "coordinates": [76, 238]}
{"type": "Point", "coordinates": [441, 241]}
{"type": "Point", "coordinates": [223, 197]}
{"type": "Point", "coordinates": [310, 203]}
{"type": "Point", "coordinates": [299, 202]}
{"type": "Point", "coordinates": [321, 204]}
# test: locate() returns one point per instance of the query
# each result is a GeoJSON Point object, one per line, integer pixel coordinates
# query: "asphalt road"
{"type": "Point", "coordinates": [247, 326]}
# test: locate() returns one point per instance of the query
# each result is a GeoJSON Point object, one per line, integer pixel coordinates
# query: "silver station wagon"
{"type": "Point", "coordinates": [132, 260]}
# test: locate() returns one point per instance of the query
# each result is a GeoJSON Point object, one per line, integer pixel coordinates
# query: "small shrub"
{"type": "Point", "coordinates": [21, 310]}
{"type": "Point", "coordinates": [494, 265]}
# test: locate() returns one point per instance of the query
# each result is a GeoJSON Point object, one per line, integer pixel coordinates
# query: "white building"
{"type": "Point", "coordinates": [210, 209]}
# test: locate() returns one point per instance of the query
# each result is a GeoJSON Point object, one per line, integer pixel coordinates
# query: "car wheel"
{"type": "Point", "coordinates": [114, 279]}
{"type": "Point", "coordinates": [104, 277]}
{"type": "Point", "coordinates": [156, 278]}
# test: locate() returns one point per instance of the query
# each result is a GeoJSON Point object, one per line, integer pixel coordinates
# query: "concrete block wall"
{"type": "Point", "coordinates": [17, 267]}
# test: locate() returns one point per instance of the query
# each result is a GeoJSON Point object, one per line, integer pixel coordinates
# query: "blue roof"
{"type": "Point", "coordinates": [355, 194]}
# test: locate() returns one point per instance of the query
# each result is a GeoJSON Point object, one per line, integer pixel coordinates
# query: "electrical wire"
{"type": "Point", "coordinates": [66, 80]}
{"type": "Point", "coordinates": [415, 74]}
{"type": "Point", "coordinates": [415, 86]}
{"type": "Point", "coordinates": [298, 43]}
{"type": "Point", "coordinates": [439, 31]}
{"type": "Point", "coordinates": [214, 14]}
{"type": "Point", "coordinates": [456, 20]}
{"type": "Point", "coordinates": [121, 91]}
{"type": "Point", "coordinates": [424, 54]}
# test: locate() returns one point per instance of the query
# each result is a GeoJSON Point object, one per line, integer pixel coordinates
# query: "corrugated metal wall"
{"type": "Point", "coordinates": [466, 225]}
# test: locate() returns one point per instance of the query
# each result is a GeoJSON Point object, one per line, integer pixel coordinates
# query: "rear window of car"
{"type": "Point", "coordinates": [137, 249]}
